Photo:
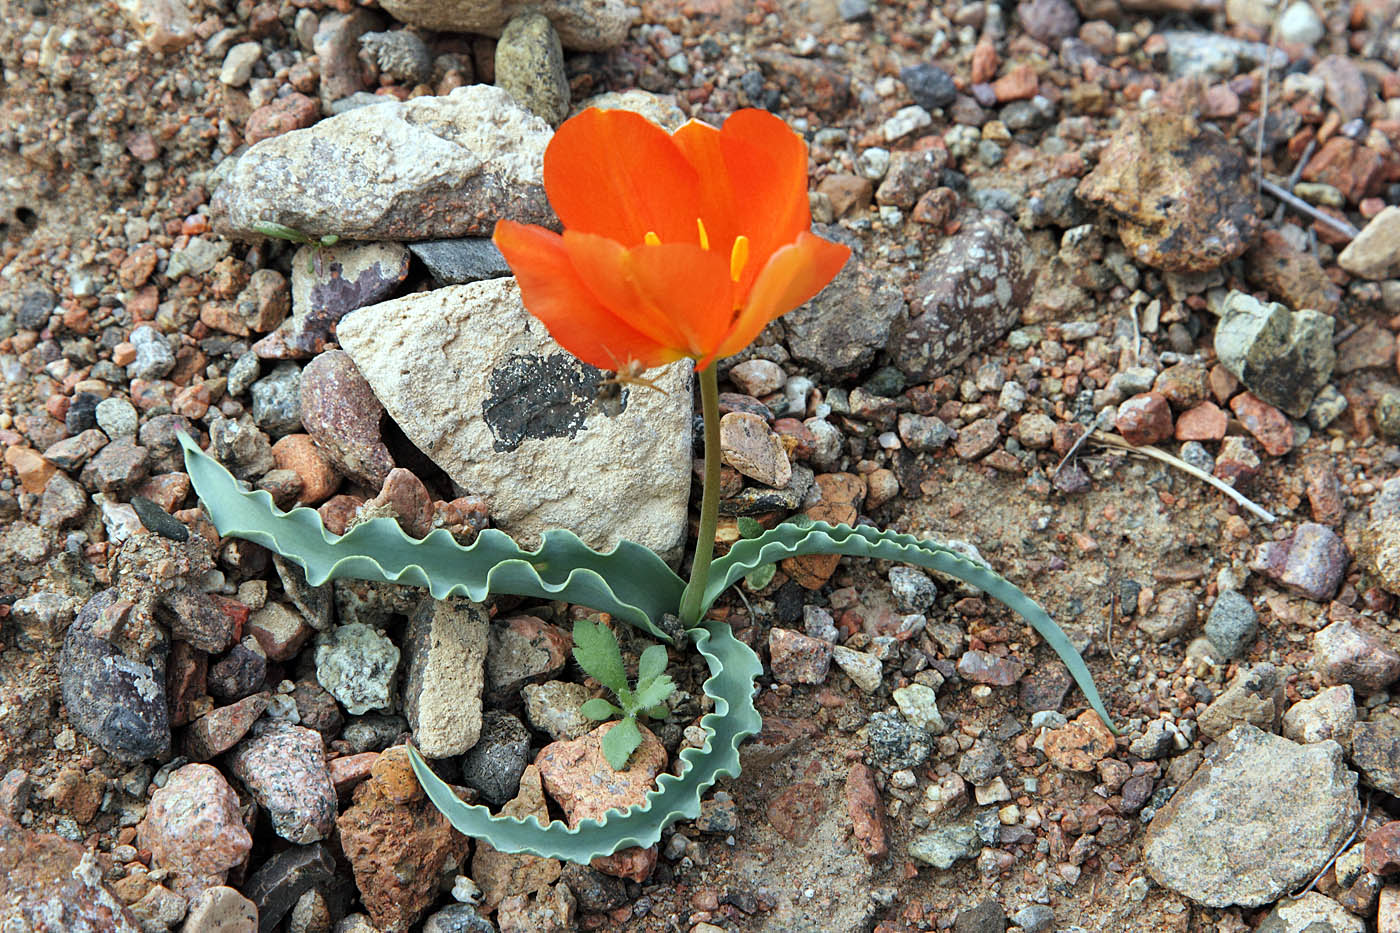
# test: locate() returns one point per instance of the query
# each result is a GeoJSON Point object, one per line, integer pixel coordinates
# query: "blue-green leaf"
{"type": "Point", "coordinates": [792, 540]}
{"type": "Point", "coordinates": [630, 581]}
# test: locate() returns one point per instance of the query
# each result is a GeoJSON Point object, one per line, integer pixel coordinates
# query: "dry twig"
{"type": "Point", "coordinates": [1113, 440]}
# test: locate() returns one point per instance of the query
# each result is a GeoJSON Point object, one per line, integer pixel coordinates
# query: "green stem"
{"type": "Point", "coordinates": [709, 502]}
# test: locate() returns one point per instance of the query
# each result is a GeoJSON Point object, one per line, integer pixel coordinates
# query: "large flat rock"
{"type": "Point", "coordinates": [481, 388]}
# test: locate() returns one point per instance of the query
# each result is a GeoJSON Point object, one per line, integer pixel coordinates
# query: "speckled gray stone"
{"type": "Point", "coordinates": [530, 65]}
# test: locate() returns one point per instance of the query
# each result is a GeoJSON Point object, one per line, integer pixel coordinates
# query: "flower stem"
{"type": "Point", "coordinates": [709, 501]}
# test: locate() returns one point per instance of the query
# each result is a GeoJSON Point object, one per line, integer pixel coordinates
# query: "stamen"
{"type": "Point", "coordinates": [704, 235]}
{"type": "Point", "coordinates": [651, 239]}
{"type": "Point", "coordinates": [738, 256]}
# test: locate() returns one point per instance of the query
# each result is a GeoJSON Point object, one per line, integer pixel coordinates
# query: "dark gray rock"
{"type": "Point", "coordinates": [596, 892]}
{"type": "Point", "coordinates": [839, 332]}
{"type": "Point", "coordinates": [116, 701]}
{"type": "Point", "coordinates": [982, 762]}
{"type": "Point", "coordinates": [1232, 623]}
{"type": "Point", "coordinates": [930, 86]}
{"type": "Point", "coordinates": [493, 766]}
{"type": "Point", "coordinates": [374, 732]}
{"type": "Point", "coordinates": [986, 917]}
{"type": "Point", "coordinates": [117, 468]}
{"type": "Point", "coordinates": [971, 294]}
{"type": "Point", "coordinates": [277, 400]}
{"type": "Point", "coordinates": [280, 882]}
{"type": "Point", "coordinates": [1282, 356]}
{"type": "Point", "coordinates": [82, 413]}
{"type": "Point", "coordinates": [459, 918]}
{"type": "Point", "coordinates": [463, 260]}
{"type": "Point", "coordinates": [35, 306]}
{"type": "Point", "coordinates": [896, 744]}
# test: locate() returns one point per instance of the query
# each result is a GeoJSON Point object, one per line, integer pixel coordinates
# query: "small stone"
{"type": "Point", "coordinates": [1204, 422]}
{"type": "Point", "coordinates": [896, 744]}
{"type": "Point", "coordinates": [221, 909]}
{"type": "Point", "coordinates": [1037, 918]}
{"type": "Point", "coordinates": [357, 665]}
{"type": "Point", "coordinates": [1283, 357]}
{"type": "Point", "coordinates": [193, 828]}
{"type": "Point", "coordinates": [1311, 912]}
{"type": "Point", "coordinates": [494, 764]}
{"type": "Point", "coordinates": [523, 649]}
{"type": "Point", "coordinates": [750, 446]}
{"type": "Point", "coordinates": [459, 261]}
{"type": "Point", "coordinates": [579, 778]}
{"type": "Point", "coordinates": [34, 471]}
{"type": "Point", "coordinates": [239, 62]}
{"type": "Point", "coordinates": [340, 412]}
{"type": "Point", "coordinates": [117, 417]}
{"type": "Point", "coordinates": [445, 653]}
{"type": "Point", "coordinates": [457, 918]}
{"type": "Point", "coordinates": [931, 87]}
{"type": "Point", "coordinates": [1329, 715]}
{"type": "Point", "coordinates": [284, 768]}
{"type": "Point", "coordinates": [1375, 752]}
{"type": "Point", "coordinates": [919, 705]}
{"type": "Point", "coordinates": [401, 55]}
{"type": "Point", "coordinates": [530, 66]}
{"type": "Point", "coordinates": [1145, 419]}
{"type": "Point", "coordinates": [982, 667]}
{"type": "Point", "coordinates": [923, 433]}
{"type": "Point", "coordinates": [502, 874]}
{"type": "Point", "coordinates": [221, 729]}
{"type": "Point", "coordinates": [196, 257]}
{"type": "Point", "coordinates": [797, 659]}
{"type": "Point", "coordinates": [946, 844]}
{"type": "Point", "coordinates": [298, 453]}
{"type": "Point", "coordinates": [1081, 744]}
{"type": "Point", "coordinates": [553, 707]}
{"type": "Point", "coordinates": [864, 669]}
{"type": "Point", "coordinates": [758, 377]}
{"type": "Point", "coordinates": [241, 447]}
{"type": "Point", "coordinates": [407, 500]}
{"type": "Point", "coordinates": [977, 439]}
{"type": "Point", "coordinates": [840, 331]}
{"type": "Point", "coordinates": [277, 400]}
{"type": "Point", "coordinates": [1270, 427]}
{"type": "Point", "coordinates": [1280, 809]}
{"type": "Point", "coordinates": [1310, 563]}
{"type": "Point", "coordinates": [1255, 696]}
{"type": "Point", "coordinates": [1352, 653]}
{"type": "Point", "coordinates": [986, 917]}
{"type": "Point", "coordinates": [1375, 252]}
{"type": "Point", "coordinates": [1232, 623]}
{"type": "Point", "coordinates": [867, 813]}
{"type": "Point", "coordinates": [277, 884]}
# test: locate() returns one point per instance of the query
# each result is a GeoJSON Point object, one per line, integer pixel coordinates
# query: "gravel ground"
{"type": "Point", "coordinates": [1066, 219]}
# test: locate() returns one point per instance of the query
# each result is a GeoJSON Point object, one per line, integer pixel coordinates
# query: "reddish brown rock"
{"type": "Point", "coordinates": [1270, 427]}
{"type": "Point", "coordinates": [1382, 853]}
{"type": "Point", "coordinates": [219, 730]}
{"type": "Point", "coordinates": [349, 771]}
{"type": "Point", "coordinates": [847, 191]}
{"type": "Point", "coordinates": [867, 813]}
{"type": "Point", "coordinates": [1080, 744]}
{"type": "Point", "coordinates": [293, 112]}
{"type": "Point", "coordinates": [1324, 490]}
{"type": "Point", "coordinates": [501, 874]}
{"type": "Point", "coordinates": [1020, 83]}
{"type": "Point", "coordinates": [797, 659]}
{"type": "Point", "coordinates": [977, 439]}
{"type": "Point", "coordinates": [796, 810]}
{"type": "Point", "coordinates": [842, 495]}
{"type": "Point", "coordinates": [193, 827]}
{"type": "Point", "coordinates": [298, 453]}
{"type": "Point", "coordinates": [1292, 277]}
{"type": "Point", "coordinates": [280, 630]}
{"type": "Point", "coordinates": [398, 844]}
{"type": "Point", "coordinates": [1356, 170]}
{"type": "Point", "coordinates": [341, 413]}
{"type": "Point", "coordinates": [406, 499]}
{"type": "Point", "coordinates": [1145, 419]}
{"type": "Point", "coordinates": [983, 667]}
{"type": "Point", "coordinates": [34, 471]}
{"type": "Point", "coordinates": [1205, 422]}
{"type": "Point", "coordinates": [51, 884]}
{"type": "Point", "coordinates": [581, 781]}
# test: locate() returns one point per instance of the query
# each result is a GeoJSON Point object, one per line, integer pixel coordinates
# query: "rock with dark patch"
{"type": "Point", "coordinates": [970, 294]}
{"type": "Point", "coordinates": [426, 168]}
{"type": "Point", "coordinates": [839, 331]}
{"type": "Point", "coordinates": [1182, 195]}
{"type": "Point", "coordinates": [342, 415]}
{"type": "Point", "coordinates": [896, 744]}
{"type": "Point", "coordinates": [1284, 357]}
{"type": "Point", "coordinates": [280, 882]}
{"type": "Point", "coordinates": [479, 386]}
{"type": "Point", "coordinates": [463, 260]}
{"type": "Point", "coordinates": [327, 284]}
{"type": "Point", "coordinates": [117, 701]}
{"type": "Point", "coordinates": [1279, 810]}
{"type": "Point", "coordinates": [494, 764]}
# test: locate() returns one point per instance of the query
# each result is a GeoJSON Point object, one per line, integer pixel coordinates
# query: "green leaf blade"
{"type": "Point", "coordinates": [653, 694]}
{"type": "Point", "coordinates": [652, 664]}
{"type": "Point", "coordinates": [620, 742]}
{"type": "Point", "coordinates": [599, 710]}
{"type": "Point", "coordinates": [597, 652]}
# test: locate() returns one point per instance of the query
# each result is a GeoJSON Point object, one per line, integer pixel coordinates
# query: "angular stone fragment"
{"type": "Point", "coordinates": [193, 827]}
{"type": "Point", "coordinates": [284, 767]}
{"type": "Point", "coordinates": [445, 649]}
{"type": "Point", "coordinates": [1281, 356]}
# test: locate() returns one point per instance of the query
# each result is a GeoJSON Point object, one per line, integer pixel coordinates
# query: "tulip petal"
{"type": "Point", "coordinates": [688, 285]}
{"type": "Point", "coordinates": [553, 292]}
{"type": "Point", "coordinates": [701, 144]}
{"type": "Point", "coordinates": [616, 174]}
{"type": "Point", "coordinates": [793, 276]}
{"type": "Point", "coordinates": [766, 165]}
{"type": "Point", "coordinates": [605, 268]}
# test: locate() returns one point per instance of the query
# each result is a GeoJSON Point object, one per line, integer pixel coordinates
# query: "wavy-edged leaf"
{"type": "Point", "coordinates": [630, 581]}
{"type": "Point", "coordinates": [733, 668]}
{"type": "Point", "coordinates": [791, 540]}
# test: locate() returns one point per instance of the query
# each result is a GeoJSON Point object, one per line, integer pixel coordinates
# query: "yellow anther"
{"type": "Point", "coordinates": [738, 257]}
{"type": "Point", "coordinates": [704, 235]}
{"type": "Point", "coordinates": [651, 239]}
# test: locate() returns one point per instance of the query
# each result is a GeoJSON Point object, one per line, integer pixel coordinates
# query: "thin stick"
{"type": "Point", "coordinates": [1303, 207]}
{"type": "Point", "coordinates": [1069, 454]}
{"type": "Point", "coordinates": [1296, 174]}
{"type": "Point", "coordinates": [1113, 440]}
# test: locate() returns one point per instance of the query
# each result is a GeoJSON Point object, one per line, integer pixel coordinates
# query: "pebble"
{"type": "Point", "coordinates": [593, 27]}
{"type": "Point", "coordinates": [341, 414]}
{"type": "Point", "coordinates": [243, 449]}
{"type": "Point", "coordinates": [459, 261]}
{"type": "Point", "coordinates": [1232, 623]}
{"type": "Point", "coordinates": [553, 708]}
{"type": "Point", "coordinates": [195, 258]}
{"type": "Point", "coordinates": [839, 332]}
{"type": "Point", "coordinates": [1352, 653]}
{"type": "Point", "coordinates": [357, 665]}
{"type": "Point", "coordinates": [924, 433]}
{"type": "Point", "coordinates": [749, 445]}
{"type": "Point", "coordinates": [867, 813]}
{"type": "Point", "coordinates": [530, 65]}
{"type": "Point", "coordinates": [946, 844]}
{"type": "Point", "coordinates": [445, 657]}
{"type": "Point", "coordinates": [758, 377]}
{"type": "Point", "coordinates": [277, 400]}
{"type": "Point", "coordinates": [1375, 752]}
{"type": "Point", "coordinates": [116, 417]}
{"type": "Point", "coordinates": [239, 62]}
{"type": "Point", "coordinates": [494, 764]}
{"type": "Point", "coordinates": [390, 825]}
{"type": "Point", "coordinates": [1181, 194]}
{"type": "Point", "coordinates": [918, 704]}
{"type": "Point", "coordinates": [986, 917]}
{"type": "Point", "coordinates": [1204, 422]}
{"type": "Point", "coordinates": [864, 669]}
{"type": "Point", "coordinates": [896, 744]}
{"type": "Point", "coordinates": [1280, 809]}
{"type": "Point", "coordinates": [1080, 744]}
{"type": "Point", "coordinates": [403, 56]}
{"type": "Point", "coordinates": [1270, 427]}
{"type": "Point", "coordinates": [277, 884]}
{"type": "Point", "coordinates": [457, 918]}
{"type": "Point", "coordinates": [279, 630]}
{"type": "Point", "coordinates": [1284, 357]}
{"type": "Point", "coordinates": [299, 453]}
{"type": "Point", "coordinates": [578, 777]}
{"type": "Point", "coordinates": [970, 294]}
{"type": "Point", "coordinates": [1255, 696]}
{"type": "Point", "coordinates": [912, 589]}
{"type": "Point", "coordinates": [193, 828]}
{"type": "Point", "coordinates": [795, 658]}
{"type": "Point", "coordinates": [1036, 918]}
{"type": "Point", "coordinates": [219, 730]}
{"type": "Point", "coordinates": [905, 121]}
{"type": "Point", "coordinates": [523, 649]}
{"type": "Point", "coordinates": [1311, 562]}
{"type": "Point", "coordinates": [982, 667]}
{"type": "Point", "coordinates": [284, 768]}
{"type": "Point", "coordinates": [1300, 24]}
{"type": "Point", "coordinates": [1309, 913]}
{"type": "Point", "coordinates": [977, 439]}
{"type": "Point", "coordinates": [931, 87]}
{"type": "Point", "coordinates": [1145, 419]}
{"type": "Point", "coordinates": [221, 909]}
{"type": "Point", "coordinates": [1375, 252]}
{"type": "Point", "coordinates": [335, 43]}
{"type": "Point", "coordinates": [115, 700]}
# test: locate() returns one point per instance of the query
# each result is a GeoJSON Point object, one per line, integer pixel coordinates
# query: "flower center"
{"type": "Point", "coordinates": [738, 253]}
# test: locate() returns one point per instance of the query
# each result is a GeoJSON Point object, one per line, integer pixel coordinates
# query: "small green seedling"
{"type": "Point", "coordinates": [284, 232]}
{"type": "Point", "coordinates": [596, 650]}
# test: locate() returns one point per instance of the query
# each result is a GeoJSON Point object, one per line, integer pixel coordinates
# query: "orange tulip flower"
{"type": "Point", "coordinates": [675, 245]}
